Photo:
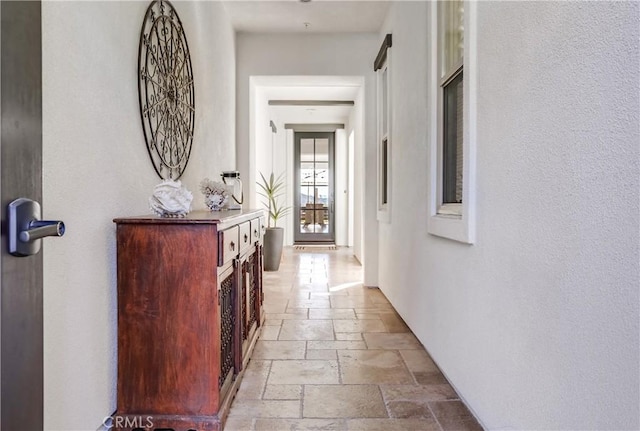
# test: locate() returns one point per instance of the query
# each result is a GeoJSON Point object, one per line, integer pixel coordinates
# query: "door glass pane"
{"type": "Point", "coordinates": [315, 182]}
{"type": "Point", "coordinates": [322, 150]}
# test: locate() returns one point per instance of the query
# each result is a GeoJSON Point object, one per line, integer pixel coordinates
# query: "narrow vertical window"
{"type": "Point", "coordinates": [381, 66]}
{"type": "Point", "coordinates": [451, 56]}
{"type": "Point", "coordinates": [453, 113]}
{"type": "Point", "coordinates": [383, 166]}
{"type": "Point", "coordinates": [384, 137]}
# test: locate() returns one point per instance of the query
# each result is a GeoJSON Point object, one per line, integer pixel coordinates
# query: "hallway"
{"type": "Point", "coordinates": [334, 355]}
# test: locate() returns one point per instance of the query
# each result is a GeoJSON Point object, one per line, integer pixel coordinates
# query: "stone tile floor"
{"type": "Point", "coordinates": [334, 355]}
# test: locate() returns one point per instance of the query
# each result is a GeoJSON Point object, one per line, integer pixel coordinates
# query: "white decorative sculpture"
{"type": "Point", "coordinates": [170, 199]}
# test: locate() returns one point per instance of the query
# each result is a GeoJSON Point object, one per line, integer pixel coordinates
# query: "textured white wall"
{"type": "Point", "coordinates": [96, 168]}
{"type": "Point", "coordinates": [341, 170]}
{"type": "Point", "coordinates": [536, 324]}
{"type": "Point", "coordinates": [314, 55]}
{"type": "Point", "coordinates": [272, 153]}
{"type": "Point", "coordinates": [356, 127]}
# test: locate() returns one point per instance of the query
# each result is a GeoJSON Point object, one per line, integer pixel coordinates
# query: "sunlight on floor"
{"type": "Point", "coordinates": [339, 358]}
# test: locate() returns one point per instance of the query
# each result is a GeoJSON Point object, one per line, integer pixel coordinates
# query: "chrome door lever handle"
{"type": "Point", "coordinates": [26, 229]}
{"type": "Point", "coordinates": [41, 228]}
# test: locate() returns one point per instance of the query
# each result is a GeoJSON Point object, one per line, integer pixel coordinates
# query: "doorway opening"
{"type": "Point", "coordinates": [330, 104]}
{"type": "Point", "coordinates": [314, 194]}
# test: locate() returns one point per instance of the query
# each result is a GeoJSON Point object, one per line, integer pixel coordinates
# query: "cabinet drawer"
{"type": "Point", "coordinates": [256, 230]}
{"type": "Point", "coordinates": [245, 236]}
{"type": "Point", "coordinates": [228, 245]}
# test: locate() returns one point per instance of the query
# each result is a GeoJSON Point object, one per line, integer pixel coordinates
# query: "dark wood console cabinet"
{"type": "Point", "coordinates": [189, 313]}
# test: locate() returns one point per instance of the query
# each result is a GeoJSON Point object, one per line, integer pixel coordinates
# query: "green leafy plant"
{"type": "Point", "coordinates": [273, 189]}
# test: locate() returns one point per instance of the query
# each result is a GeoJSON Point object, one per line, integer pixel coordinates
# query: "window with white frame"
{"type": "Point", "coordinates": [381, 66]}
{"type": "Point", "coordinates": [453, 108]}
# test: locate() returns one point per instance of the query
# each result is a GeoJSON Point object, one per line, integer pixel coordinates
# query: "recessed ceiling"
{"type": "Point", "coordinates": [322, 16]}
{"type": "Point", "coordinates": [310, 115]}
{"type": "Point", "coordinates": [308, 88]}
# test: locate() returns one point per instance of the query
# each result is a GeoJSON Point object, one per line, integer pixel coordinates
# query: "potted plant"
{"type": "Point", "coordinates": [272, 190]}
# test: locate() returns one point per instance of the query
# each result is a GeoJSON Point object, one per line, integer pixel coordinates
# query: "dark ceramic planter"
{"type": "Point", "coordinates": [273, 240]}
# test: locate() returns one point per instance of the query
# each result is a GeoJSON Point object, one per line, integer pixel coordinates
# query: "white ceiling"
{"type": "Point", "coordinates": [322, 15]}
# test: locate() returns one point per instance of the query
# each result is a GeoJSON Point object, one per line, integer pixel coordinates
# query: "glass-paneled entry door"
{"type": "Point", "coordinates": [314, 210]}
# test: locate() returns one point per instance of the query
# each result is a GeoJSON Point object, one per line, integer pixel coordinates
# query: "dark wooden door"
{"type": "Point", "coordinates": [21, 396]}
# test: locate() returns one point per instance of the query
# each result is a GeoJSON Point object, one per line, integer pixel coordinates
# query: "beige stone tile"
{"type": "Point", "coordinates": [332, 313]}
{"type": "Point", "coordinates": [257, 368]}
{"type": "Point", "coordinates": [251, 389]}
{"type": "Point", "coordinates": [317, 287]}
{"type": "Point", "coordinates": [336, 345]}
{"type": "Point", "coordinates": [345, 284]}
{"type": "Point", "coordinates": [343, 401]}
{"type": "Point", "coordinates": [306, 330]}
{"type": "Point", "coordinates": [272, 322]}
{"type": "Point", "coordinates": [352, 302]}
{"type": "Point", "coordinates": [454, 415]}
{"type": "Point", "coordinates": [393, 322]}
{"type": "Point", "coordinates": [278, 281]}
{"type": "Point", "coordinates": [269, 332]}
{"type": "Point", "coordinates": [340, 285]}
{"type": "Point", "coordinates": [373, 366]}
{"type": "Point", "coordinates": [266, 349]}
{"type": "Point", "coordinates": [309, 303]}
{"type": "Point", "coordinates": [254, 380]}
{"type": "Point", "coordinates": [378, 308]}
{"type": "Point", "coordinates": [300, 315]}
{"type": "Point", "coordinates": [304, 372]}
{"type": "Point", "coordinates": [320, 279]}
{"type": "Point", "coordinates": [313, 285]}
{"type": "Point", "coordinates": [365, 316]}
{"type": "Point", "coordinates": [277, 290]}
{"type": "Point", "coordinates": [320, 295]}
{"type": "Point", "coordinates": [238, 424]}
{"type": "Point", "coordinates": [300, 425]}
{"type": "Point", "coordinates": [301, 311]}
{"type": "Point", "coordinates": [283, 392]}
{"type": "Point", "coordinates": [408, 409]}
{"type": "Point", "coordinates": [331, 292]}
{"type": "Point", "coordinates": [418, 361]}
{"type": "Point", "coordinates": [379, 299]}
{"type": "Point", "coordinates": [440, 392]}
{"type": "Point", "coordinates": [373, 294]}
{"type": "Point", "coordinates": [392, 425]}
{"type": "Point", "coordinates": [430, 378]}
{"type": "Point", "coordinates": [405, 341]}
{"type": "Point", "coordinates": [348, 336]}
{"type": "Point", "coordinates": [330, 355]}
{"type": "Point", "coordinates": [244, 408]}
{"type": "Point", "coordinates": [279, 295]}
{"type": "Point", "coordinates": [299, 294]}
{"type": "Point", "coordinates": [275, 307]}
{"type": "Point", "coordinates": [370, 325]}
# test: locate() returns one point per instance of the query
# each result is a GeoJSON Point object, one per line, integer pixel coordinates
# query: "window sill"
{"type": "Point", "coordinates": [450, 210]}
{"type": "Point", "coordinates": [450, 226]}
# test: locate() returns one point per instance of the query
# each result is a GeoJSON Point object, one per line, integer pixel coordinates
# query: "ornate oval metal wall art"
{"type": "Point", "coordinates": [165, 87]}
